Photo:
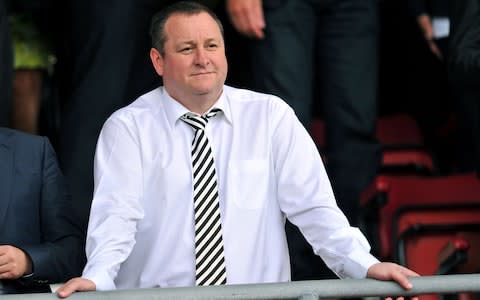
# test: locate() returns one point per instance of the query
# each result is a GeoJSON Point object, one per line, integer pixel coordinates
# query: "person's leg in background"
{"type": "Point", "coordinates": [109, 44]}
{"type": "Point", "coordinates": [347, 49]}
{"type": "Point", "coordinates": [6, 65]}
{"type": "Point", "coordinates": [476, 137]}
{"type": "Point", "coordinates": [464, 74]}
{"type": "Point", "coordinates": [468, 129]}
{"type": "Point", "coordinates": [283, 65]}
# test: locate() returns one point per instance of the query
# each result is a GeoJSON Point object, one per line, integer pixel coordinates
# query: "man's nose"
{"type": "Point", "coordinates": [201, 57]}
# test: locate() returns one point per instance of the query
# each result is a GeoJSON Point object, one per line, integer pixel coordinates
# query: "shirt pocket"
{"type": "Point", "coordinates": [249, 183]}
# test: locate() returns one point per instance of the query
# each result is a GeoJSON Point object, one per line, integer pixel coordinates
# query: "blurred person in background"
{"type": "Point", "coordinates": [464, 75]}
{"type": "Point", "coordinates": [320, 52]}
{"type": "Point", "coordinates": [430, 100]}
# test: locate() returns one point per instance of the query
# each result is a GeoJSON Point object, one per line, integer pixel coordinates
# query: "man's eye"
{"type": "Point", "coordinates": [212, 46]}
{"type": "Point", "coordinates": [186, 50]}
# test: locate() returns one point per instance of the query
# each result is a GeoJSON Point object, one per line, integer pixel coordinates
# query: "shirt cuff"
{"type": "Point", "coordinates": [103, 282]}
{"type": "Point", "coordinates": [26, 276]}
{"type": "Point", "coordinates": [360, 262]}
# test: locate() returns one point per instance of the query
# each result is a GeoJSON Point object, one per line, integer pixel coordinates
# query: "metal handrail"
{"type": "Point", "coordinates": [315, 289]}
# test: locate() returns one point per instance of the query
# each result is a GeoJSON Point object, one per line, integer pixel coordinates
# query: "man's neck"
{"type": "Point", "coordinates": [199, 104]}
{"type": "Point", "coordinates": [200, 107]}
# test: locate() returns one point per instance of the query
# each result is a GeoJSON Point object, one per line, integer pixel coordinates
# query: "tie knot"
{"type": "Point", "coordinates": [197, 121]}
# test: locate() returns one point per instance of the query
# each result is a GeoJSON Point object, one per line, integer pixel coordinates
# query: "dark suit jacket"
{"type": "Point", "coordinates": [35, 211]}
{"type": "Point", "coordinates": [464, 42]}
{"type": "Point", "coordinates": [464, 74]}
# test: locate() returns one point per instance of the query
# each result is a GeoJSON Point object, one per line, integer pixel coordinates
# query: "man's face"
{"type": "Point", "coordinates": [194, 63]}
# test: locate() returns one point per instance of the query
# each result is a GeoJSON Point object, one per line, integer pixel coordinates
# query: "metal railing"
{"type": "Point", "coordinates": [304, 290]}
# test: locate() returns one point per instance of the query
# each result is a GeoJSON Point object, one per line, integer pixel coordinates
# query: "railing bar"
{"type": "Point", "coordinates": [347, 288]}
{"type": "Point", "coordinates": [308, 297]}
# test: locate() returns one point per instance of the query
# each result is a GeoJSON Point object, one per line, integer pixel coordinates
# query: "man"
{"type": "Point", "coordinates": [39, 242]}
{"type": "Point", "coordinates": [148, 224]}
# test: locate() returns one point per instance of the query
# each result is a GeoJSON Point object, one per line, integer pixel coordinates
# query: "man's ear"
{"type": "Point", "coordinates": [157, 61]}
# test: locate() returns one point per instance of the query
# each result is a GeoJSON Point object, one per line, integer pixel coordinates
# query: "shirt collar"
{"type": "Point", "coordinates": [174, 110]}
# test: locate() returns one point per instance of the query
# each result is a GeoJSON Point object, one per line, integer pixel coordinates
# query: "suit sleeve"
{"type": "Point", "coordinates": [60, 256]}
{"type": "Point", "coordinates": [464, 60]}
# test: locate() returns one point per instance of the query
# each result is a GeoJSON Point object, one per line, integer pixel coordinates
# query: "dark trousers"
{"type": "Point", "coordinates": [6, 67]}
{"type": "Point", "coordinates": [111, 67]}
{"type": "Point", "coordinates": [325, 52]}
{"type": "Point", "coordinates": [468, 128]}
{"type": "Point", "coordinates": [17, 287]}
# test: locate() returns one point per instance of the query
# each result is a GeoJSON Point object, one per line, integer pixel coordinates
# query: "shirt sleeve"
{"type": "Point", "coordinates": [116, 207]}
{"type": "Point", "coordinates": [306, 197]}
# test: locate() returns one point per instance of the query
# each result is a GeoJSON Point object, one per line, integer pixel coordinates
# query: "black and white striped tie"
{"type": "Point", "coordinates": [209, 257]}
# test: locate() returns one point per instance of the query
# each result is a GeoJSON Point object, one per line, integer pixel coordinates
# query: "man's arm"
{"type": "Point", "coordinates": [115, 209]}
{"type": "Point", "coordinates": [247, 17]}
{"type": "Point", "coordinates": [307, 199]}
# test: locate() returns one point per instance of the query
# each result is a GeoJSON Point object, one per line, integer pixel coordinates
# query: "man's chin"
{"type": "Point", "coordinates": [203, 91]}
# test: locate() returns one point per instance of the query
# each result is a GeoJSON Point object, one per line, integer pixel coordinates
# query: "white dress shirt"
{"type": "Point", "coordinates": [141, 228]}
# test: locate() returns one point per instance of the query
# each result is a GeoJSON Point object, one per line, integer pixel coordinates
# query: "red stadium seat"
{"type": "Point", "coordinates": [403, 147]}
{"type": "Point", "coordinates": [411, 220]}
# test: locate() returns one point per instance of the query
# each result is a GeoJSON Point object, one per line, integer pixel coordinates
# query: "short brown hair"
{"type": "Point", "coordinates": [157, 25]}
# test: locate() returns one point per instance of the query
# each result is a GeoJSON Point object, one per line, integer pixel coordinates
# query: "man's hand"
{"type": "Point", "coordinates": [76, 285]}
{"type": "Point", "coordinates": [247, 17]}
{"type": "Point", "coordinates": [425, 24]}
{"type": "Point", "coordinates": [14, 263]}
{"type": "Point", "coordinates": [392, 271]}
